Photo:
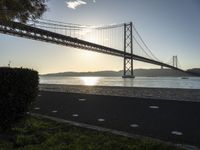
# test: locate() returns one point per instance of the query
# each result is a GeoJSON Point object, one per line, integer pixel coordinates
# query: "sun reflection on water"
{"type": "Point", "coordinates": [91, 81]}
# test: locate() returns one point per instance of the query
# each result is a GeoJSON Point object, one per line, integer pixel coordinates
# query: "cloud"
{"type": "Point", "coordinates": [75, 4]}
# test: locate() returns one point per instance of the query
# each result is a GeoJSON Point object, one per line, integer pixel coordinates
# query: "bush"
{"type": "Point", "coordinates": [18, 89]}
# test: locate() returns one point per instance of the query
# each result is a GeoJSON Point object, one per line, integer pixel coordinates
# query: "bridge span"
{"type": "Point", "coordinates": [34, 33]}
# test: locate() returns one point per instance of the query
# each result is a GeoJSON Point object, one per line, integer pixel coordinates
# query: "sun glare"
{"type": "Point", "coordinates": [90, 81]}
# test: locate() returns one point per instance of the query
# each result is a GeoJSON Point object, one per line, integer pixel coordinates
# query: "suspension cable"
{"type": "Point", "coordinates": [144, 43]}
{"type": "Point", "coordinates": [141, 47]}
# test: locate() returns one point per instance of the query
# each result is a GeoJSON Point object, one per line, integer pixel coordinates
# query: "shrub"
{"type": "Point", "coordinates": [18, 89]}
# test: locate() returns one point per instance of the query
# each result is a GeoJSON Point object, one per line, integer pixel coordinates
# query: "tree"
{"type": "Point", "coordinates": [21, 10]}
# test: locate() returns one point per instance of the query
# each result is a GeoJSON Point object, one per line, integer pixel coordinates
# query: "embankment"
{"type": "Point", "coordinates": [151, 93]}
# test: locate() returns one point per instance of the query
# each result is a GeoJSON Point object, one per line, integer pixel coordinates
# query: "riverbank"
{"type": "Point", "coordinates": [150, 93]}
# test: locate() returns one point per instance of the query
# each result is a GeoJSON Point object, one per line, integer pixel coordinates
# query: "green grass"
{"type": "Point", "coordinates": [42, 134]}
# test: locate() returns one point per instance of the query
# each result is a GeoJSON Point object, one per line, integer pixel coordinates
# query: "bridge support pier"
{"type": "Point", "coordinates": [128, 47]}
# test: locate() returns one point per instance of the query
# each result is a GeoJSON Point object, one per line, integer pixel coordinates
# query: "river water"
{"type": "Point", "coordinates": [157, 82]}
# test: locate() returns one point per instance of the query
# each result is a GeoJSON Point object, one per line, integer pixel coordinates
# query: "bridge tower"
{"type": "Point", "coordinates": [175, 61]}
{"type": "Point", "coordinates": [128, 48]}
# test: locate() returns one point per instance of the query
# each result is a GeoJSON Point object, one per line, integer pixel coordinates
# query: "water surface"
{"type": "Point", "coordinates": [158, 82]}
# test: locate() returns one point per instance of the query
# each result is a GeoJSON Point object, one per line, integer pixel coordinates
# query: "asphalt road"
{"type": "Point", "coordinates": [174, 121]}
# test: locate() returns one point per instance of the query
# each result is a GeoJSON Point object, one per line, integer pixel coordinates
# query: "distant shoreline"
{"type": "Point", "coordinates": [137, 72]}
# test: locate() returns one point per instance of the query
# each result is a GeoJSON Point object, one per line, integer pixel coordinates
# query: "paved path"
{"type": "Point", "coordinates": [174, 121]}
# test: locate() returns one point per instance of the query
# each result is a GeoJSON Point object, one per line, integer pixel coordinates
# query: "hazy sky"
{"type": "Point", "coordinates": [169, 27]}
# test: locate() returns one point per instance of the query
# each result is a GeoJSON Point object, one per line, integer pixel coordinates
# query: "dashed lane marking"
{"type": "Point", "coordinates": [154, 107]}
{"type": "Point", "coordinates": [101, 120]}
{"type": "Point", "coordinates": [75, 115]}
{"type": "Point", "coordinates": [177, 133]}
{"type": "Point", "coordinates": [82, 99]}
{"type": "Point", "coordinates": [54, 111]}
{"type": "Point", "coordinates": [134, 125]}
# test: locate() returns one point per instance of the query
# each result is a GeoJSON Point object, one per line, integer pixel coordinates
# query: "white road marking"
{"type": "Point", "coordinates": [177, 133]}
{"type": "Point", "coordinates": [134, 125]}
{"type": "Point", "coordinates": [75, 115]}
{"type": "Point", "coordinates": [54, 111]}
{"type": "Point", "coordinates": [154, 107]}
{"type": "Point", "coordinates": [82, 99]}
{"type": "Point", "coordinates": [39, 95]}
{"type": "Point", "coordinates": [37, 108]}
{"type": "Point", "coordinates": [101, 120]}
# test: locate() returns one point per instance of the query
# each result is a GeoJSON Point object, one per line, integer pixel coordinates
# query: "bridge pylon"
{"type": "Point", "coordinates": [175, 61]}
{"type": "Point", "coordinates": [128, 48]}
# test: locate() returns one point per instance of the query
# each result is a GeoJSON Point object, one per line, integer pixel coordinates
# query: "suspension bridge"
{"type": "Point", "coordinates": [122, 40]}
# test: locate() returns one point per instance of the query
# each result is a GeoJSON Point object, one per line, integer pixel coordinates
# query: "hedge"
{"type": "Point", "coordinates": [18, 89]}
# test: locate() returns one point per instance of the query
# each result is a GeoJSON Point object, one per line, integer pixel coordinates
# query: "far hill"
{"type": "Point", "coordinates": [137, 72]}
{"type": "Point", "coordinates": [194, 71]}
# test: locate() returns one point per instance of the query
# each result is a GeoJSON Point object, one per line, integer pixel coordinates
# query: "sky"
{"type": "Point", "coordinates": [169, 27]}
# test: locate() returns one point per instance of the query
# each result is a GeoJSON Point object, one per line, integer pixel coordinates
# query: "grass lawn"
{"type": "Point", "coordinates": [42, 134]}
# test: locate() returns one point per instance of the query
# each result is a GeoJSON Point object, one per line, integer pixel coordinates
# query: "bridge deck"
{"type": "Point", "coordinates": [22, 30]}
